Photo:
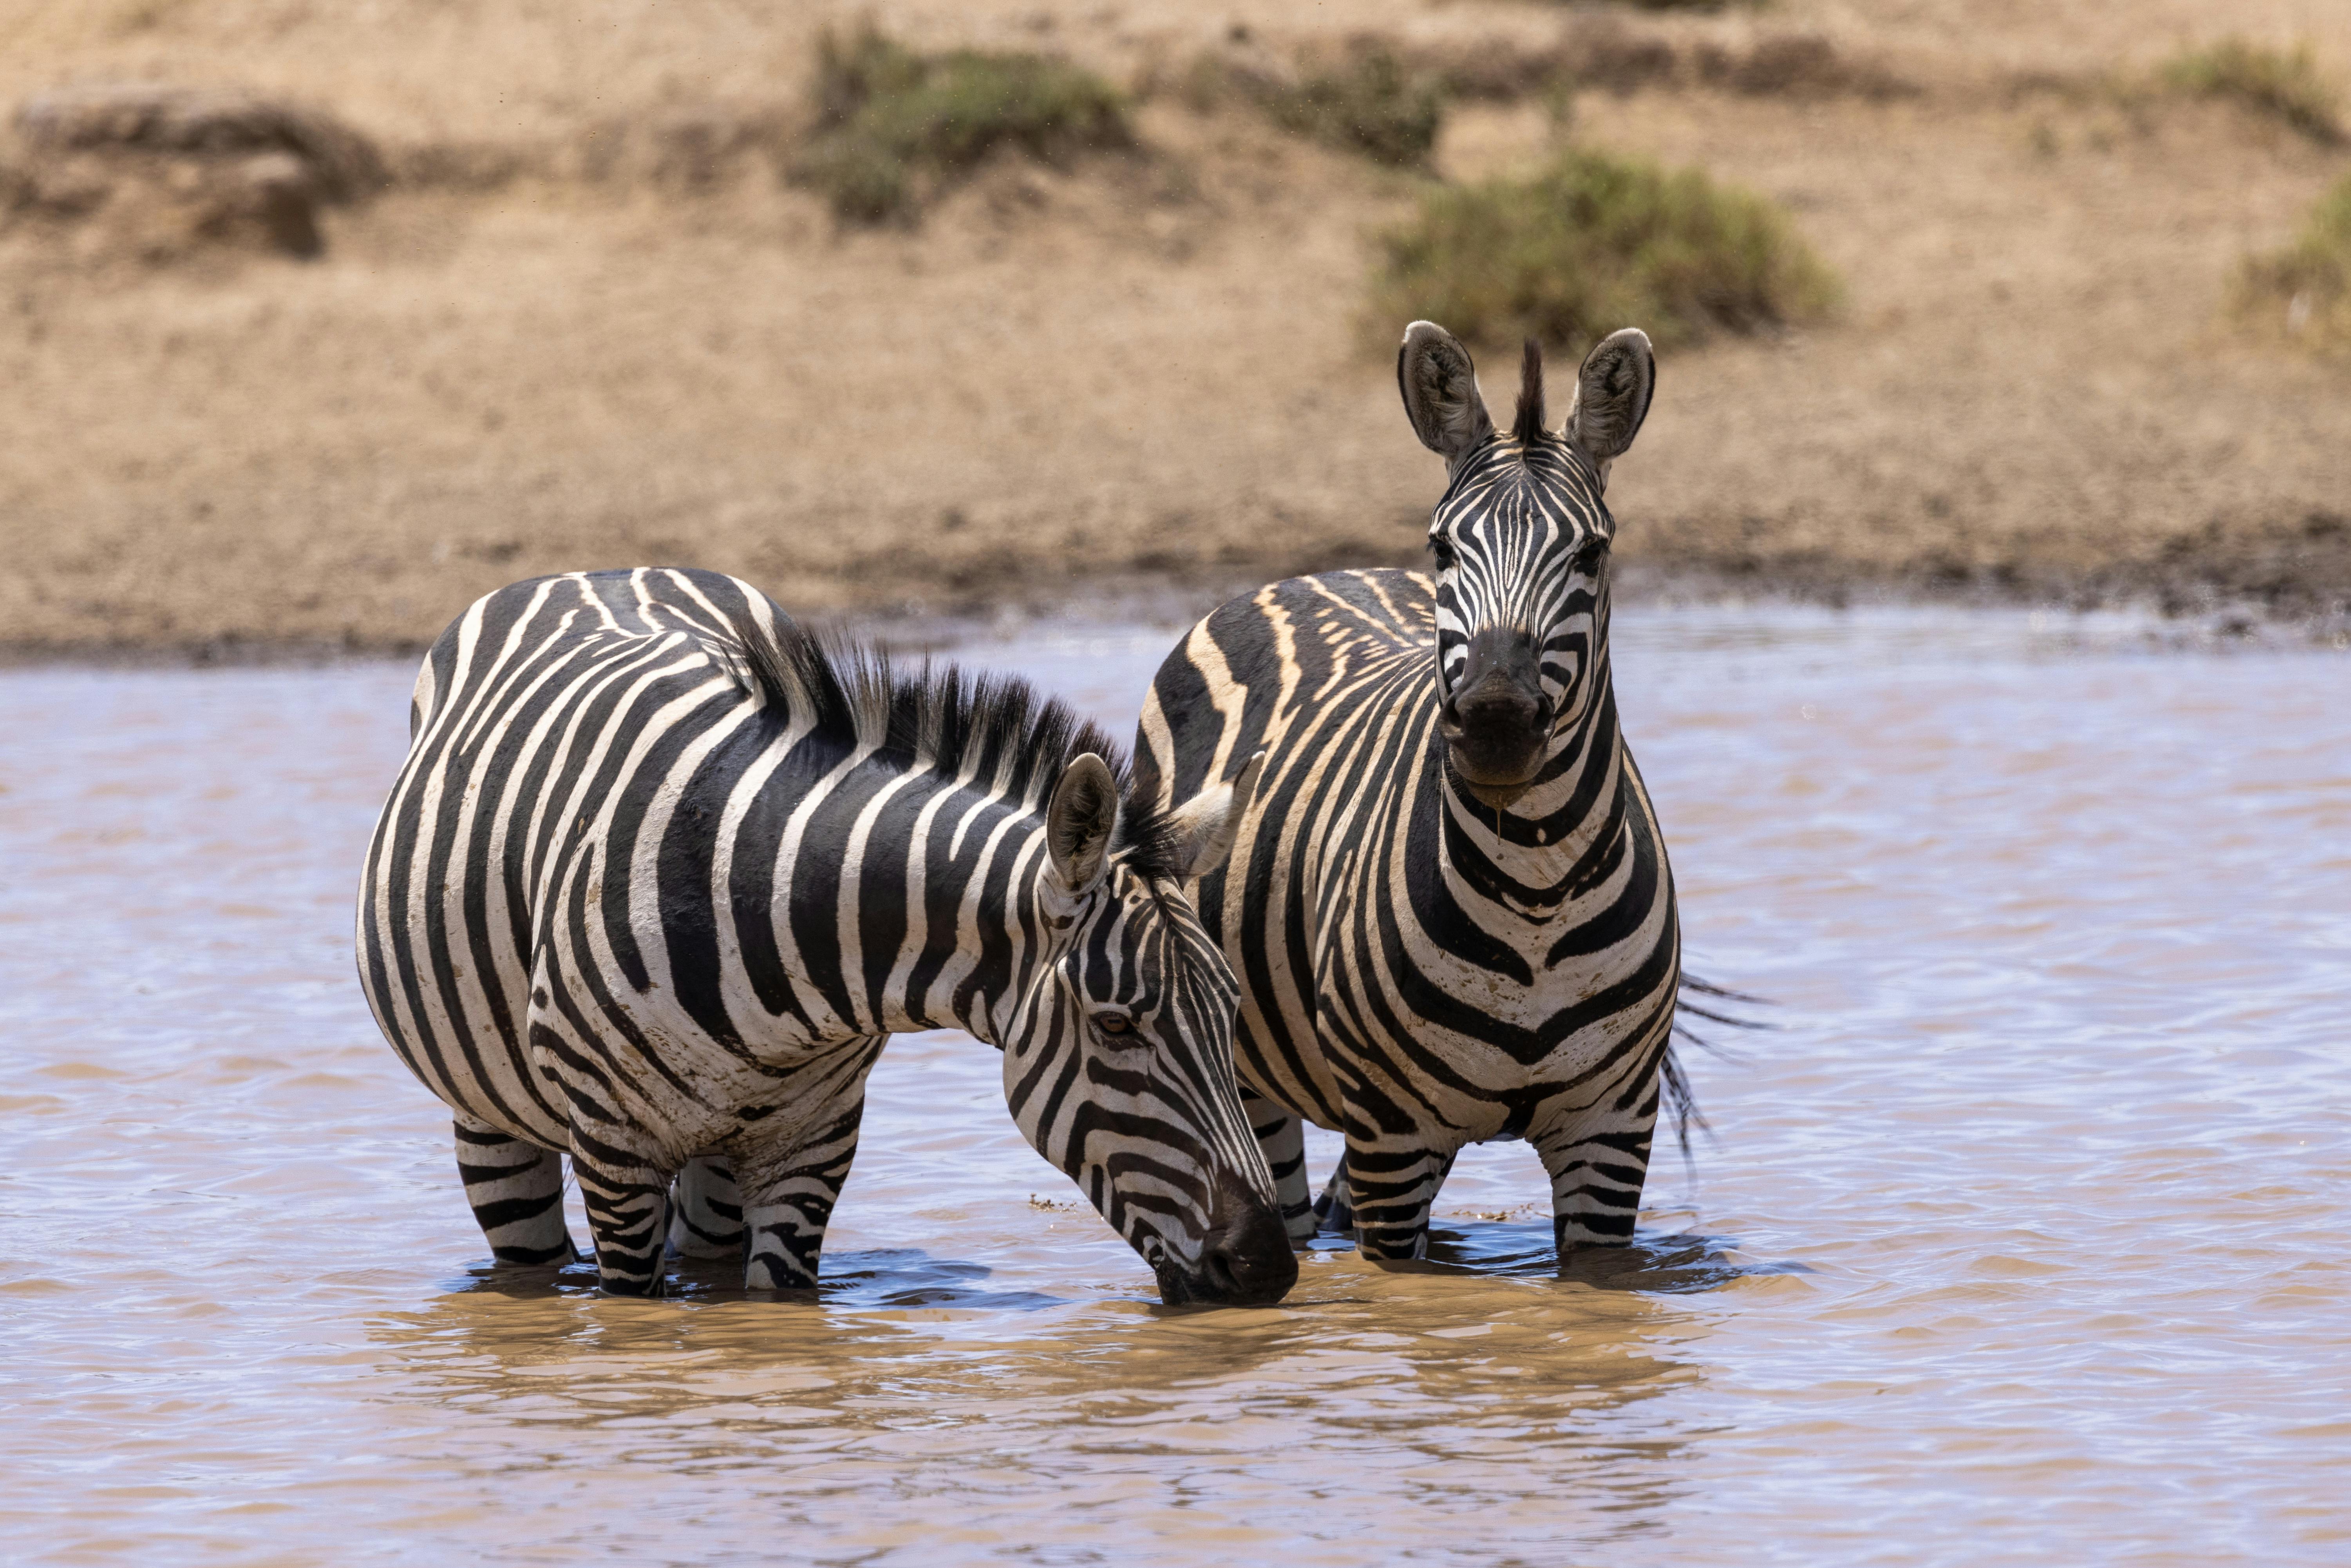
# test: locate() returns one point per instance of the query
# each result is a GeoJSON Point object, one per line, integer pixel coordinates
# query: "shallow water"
{"type": "Point", "coordinates": [2021, 1240]}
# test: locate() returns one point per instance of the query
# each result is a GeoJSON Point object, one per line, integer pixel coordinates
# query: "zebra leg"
{"type": "Point", "coordinates": [627, 1197]}
{"type": "Point", "coordinates": [1391, 1190]}
{"type": "Point", "coordinates": [790, 1186]}
{"type": "Point", "coordinates": [1284, 1138]}
{"type": "Point", "coordinates": [1596, 1166]}
{"type": "Point", "coordinates": [516, 1191]}
{"type": "Point", "coordinates": [1333, 1214]}
{"type": "Point", "coordinates": [706, 1211]}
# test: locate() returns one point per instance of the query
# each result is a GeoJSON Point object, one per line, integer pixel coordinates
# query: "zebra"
{"type": "Point", "coordinates": [663, 874]}
{"type": "Point", "coordinates": [1448, 903]}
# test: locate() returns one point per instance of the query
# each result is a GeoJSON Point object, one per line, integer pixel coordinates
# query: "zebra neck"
{"type": "Point", "coordinates": [1533, 853]}
{"type": "Point", "coordinates": [935, 918]}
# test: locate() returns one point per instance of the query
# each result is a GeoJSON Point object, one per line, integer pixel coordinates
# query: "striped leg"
{"type": "Point", "coordinates": [1334, 1213]}
{"type": "Point", "coordinates": [1596, 1166]}
{"type": "Point", "coordinates": [516, 1191]}
{"type": "Point", "coordinates": [627, 1197]}
{"type": "Point", "coordinates": [706, 1211]}
{"type": "Point", "coordinates": [1391, 1190]}
{"type": "Point", "coordinates": [790, 1186]}
{"type": "Point", "coordinates": [1284, 1138]}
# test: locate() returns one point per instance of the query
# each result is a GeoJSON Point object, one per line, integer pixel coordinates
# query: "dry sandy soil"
{"type": "Point", "coordinates": [549, 346]}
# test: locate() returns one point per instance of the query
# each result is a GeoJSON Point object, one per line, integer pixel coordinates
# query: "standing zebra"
{"type": "Point", "coordinates": [1448, 903]}
{"type": "Point", "coordinates": [661, 876]}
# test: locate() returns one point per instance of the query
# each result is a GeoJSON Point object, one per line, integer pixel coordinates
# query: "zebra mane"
{"type": "Point", "coordinates": [1527, 428]}
{"type": "Point", "coordinates": [945, 719]}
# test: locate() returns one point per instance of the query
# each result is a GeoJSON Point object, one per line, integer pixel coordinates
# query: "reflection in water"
{"type": "Point", "coordinates": [2019, 1242]}
{"type": "Point", "coordinates": [1433, 1394]}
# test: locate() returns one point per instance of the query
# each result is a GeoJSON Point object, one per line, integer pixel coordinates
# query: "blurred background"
{"type": "Point", "coordinates": [318, 320]}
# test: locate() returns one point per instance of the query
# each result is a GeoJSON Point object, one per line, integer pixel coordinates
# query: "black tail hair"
{"type": "Point", "coordinates": [1680, 1101]}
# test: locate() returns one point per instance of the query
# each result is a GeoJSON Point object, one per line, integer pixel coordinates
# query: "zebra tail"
{"type": "Point", "coordinates": [1679, 1098]}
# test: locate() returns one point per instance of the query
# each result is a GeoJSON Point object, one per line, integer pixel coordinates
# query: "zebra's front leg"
{"type": "Point", "coordinates": [1597, 1165]}
{"type": "Point", "coordinates": [626, 1193]}
{"type": "Point", "coordinates": [1391, 1188]}
{"type": "Point", "coordinates": [1284, 1138]}
{"type": "Point", "coordinates": [706, 1211]}
{"type": "Point", "coordinates": [790, 1184]}
{"type": "Point", "coordinates": [516, 1191]}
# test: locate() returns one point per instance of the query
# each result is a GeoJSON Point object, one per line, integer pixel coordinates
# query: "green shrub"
{"type": "Point", "coordinates": [2287, 85]}
{"type": "Point", "coordinates": [893, 126]}
{"type": "Point", "coordinates": [2306, 289]}
{"type": "Point", "coordinates": [1593, 243]}
{"type": "Point", "coordinates": [1369, 105]}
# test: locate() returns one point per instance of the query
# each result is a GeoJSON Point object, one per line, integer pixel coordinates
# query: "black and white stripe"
{"type": "Point", "coordinates": [661, 876]}
{"type": "Point", "coordinates": [1450, 904]}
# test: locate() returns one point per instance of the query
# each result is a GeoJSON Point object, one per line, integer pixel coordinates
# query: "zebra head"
{"type": "Point", "coordinates": [1521, 541]}
{"type": "Point", "coordinates": [1119, 1063]}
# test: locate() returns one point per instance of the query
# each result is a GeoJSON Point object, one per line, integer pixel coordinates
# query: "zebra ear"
{"type": "Point", "coordinates": [1440, 391]}
{"type": "Point", "coordinates": [1210, 821]}
{"type": "Point", "coordinates": [1612, 396]}
{"type": "Point", "coordinates": [1080, 820]}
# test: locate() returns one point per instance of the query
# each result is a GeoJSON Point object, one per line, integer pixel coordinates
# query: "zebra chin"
{"type": "Point", "coordinates": [1246, 1261]}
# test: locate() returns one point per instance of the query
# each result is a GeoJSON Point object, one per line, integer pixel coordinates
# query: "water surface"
{"type": "Point", "coordinates": [2022, 1239]}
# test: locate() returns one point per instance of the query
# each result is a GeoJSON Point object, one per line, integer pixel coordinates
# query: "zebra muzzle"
{"type": "Point", "coordinates": [1246, 1261]}
{"type": "Point", "coordinates": [1495, 721]}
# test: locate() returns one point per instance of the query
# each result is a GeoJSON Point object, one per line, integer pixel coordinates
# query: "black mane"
{"type": "Point", "coordinates": [1527, 425]}
{"type": "Point", "coordinates": [941, 718]}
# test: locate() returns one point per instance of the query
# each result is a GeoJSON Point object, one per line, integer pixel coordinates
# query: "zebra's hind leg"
{"type": "Point", "coordinates": [516, 1191]}
{"type": "Point", "coordinates": [627, 1199]}
{"type": "Point", "coordinates": [791, 1182]}
{"type": "Point", "coordinates": [1334, 1214]}
{"type": "Point", "coordinates": [1284, 1138]}
{"type": "Point", "coordinates": [706, 1211]}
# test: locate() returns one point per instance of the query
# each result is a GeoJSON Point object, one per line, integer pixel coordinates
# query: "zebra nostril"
{"type": "Point", "coordinates": [1219, 1273]}
{"type": "Point", "coordinates": [1247, 1261]}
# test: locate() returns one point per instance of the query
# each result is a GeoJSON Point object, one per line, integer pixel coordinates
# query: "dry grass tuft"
{"type": "Point", "coordinates": [893, 127]}
{"type": "Point", "coordinates": [155, 172]}
{"type": "Point", "coordinates": [2304, 289]}
{"type": "Point", "coordinates": [1593, 243]}
{"type": "Point", "coordinates": [1367, 102]}
{"type": "Point", "coordinates": [2286, 85]}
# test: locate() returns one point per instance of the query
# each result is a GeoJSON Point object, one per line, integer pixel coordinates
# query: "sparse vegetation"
{"type": "Point", "coordinates": [1596, 242]}
{"type": "Point", "coordinates": [1369, 101]}
{"type": "Point", "coordinates": [1369, 105]}
{"type": "Point", "coordinates": [2304, 289]}
{"type": "Point", "coordinates": [157, 171]}
{"type": "Point", "coordinates": [2284, 84]}
{"type": "Point", "coordinates": [894, 126]}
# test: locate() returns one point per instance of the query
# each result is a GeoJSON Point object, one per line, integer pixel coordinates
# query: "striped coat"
{"type": "Point", "coordinates": [662, 875]}
{"type": "Point", "coordinates": [1450, 904]}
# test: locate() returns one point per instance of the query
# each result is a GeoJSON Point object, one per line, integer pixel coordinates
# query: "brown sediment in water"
{"type": "Point", "coordinates": [587, 325]}
{"type": "Point", "coordinates": [2018, 1241]}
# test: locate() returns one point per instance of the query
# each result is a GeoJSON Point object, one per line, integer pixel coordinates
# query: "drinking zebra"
{"type": "Point", "coordinates": [661, 876]}
{"type": "Point", "coordinates": [1449, 904]}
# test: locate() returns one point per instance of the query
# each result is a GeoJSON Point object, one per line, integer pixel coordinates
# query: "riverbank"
{"type": "Point", "coordinates": [1147, 372]}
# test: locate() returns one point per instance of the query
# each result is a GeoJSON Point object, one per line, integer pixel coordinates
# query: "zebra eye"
{"type": "Point", "coordinates": [1113, 1023]}
{"type": "Point", "coordinates": [1442, 548]}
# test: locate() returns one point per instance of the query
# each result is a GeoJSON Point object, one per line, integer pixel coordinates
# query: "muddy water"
{"type": "Point", "coordinates": [2021, 1240]}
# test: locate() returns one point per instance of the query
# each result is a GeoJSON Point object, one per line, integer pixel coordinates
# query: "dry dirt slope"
{"type": "Point", "coordinates": [1152, 365]}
